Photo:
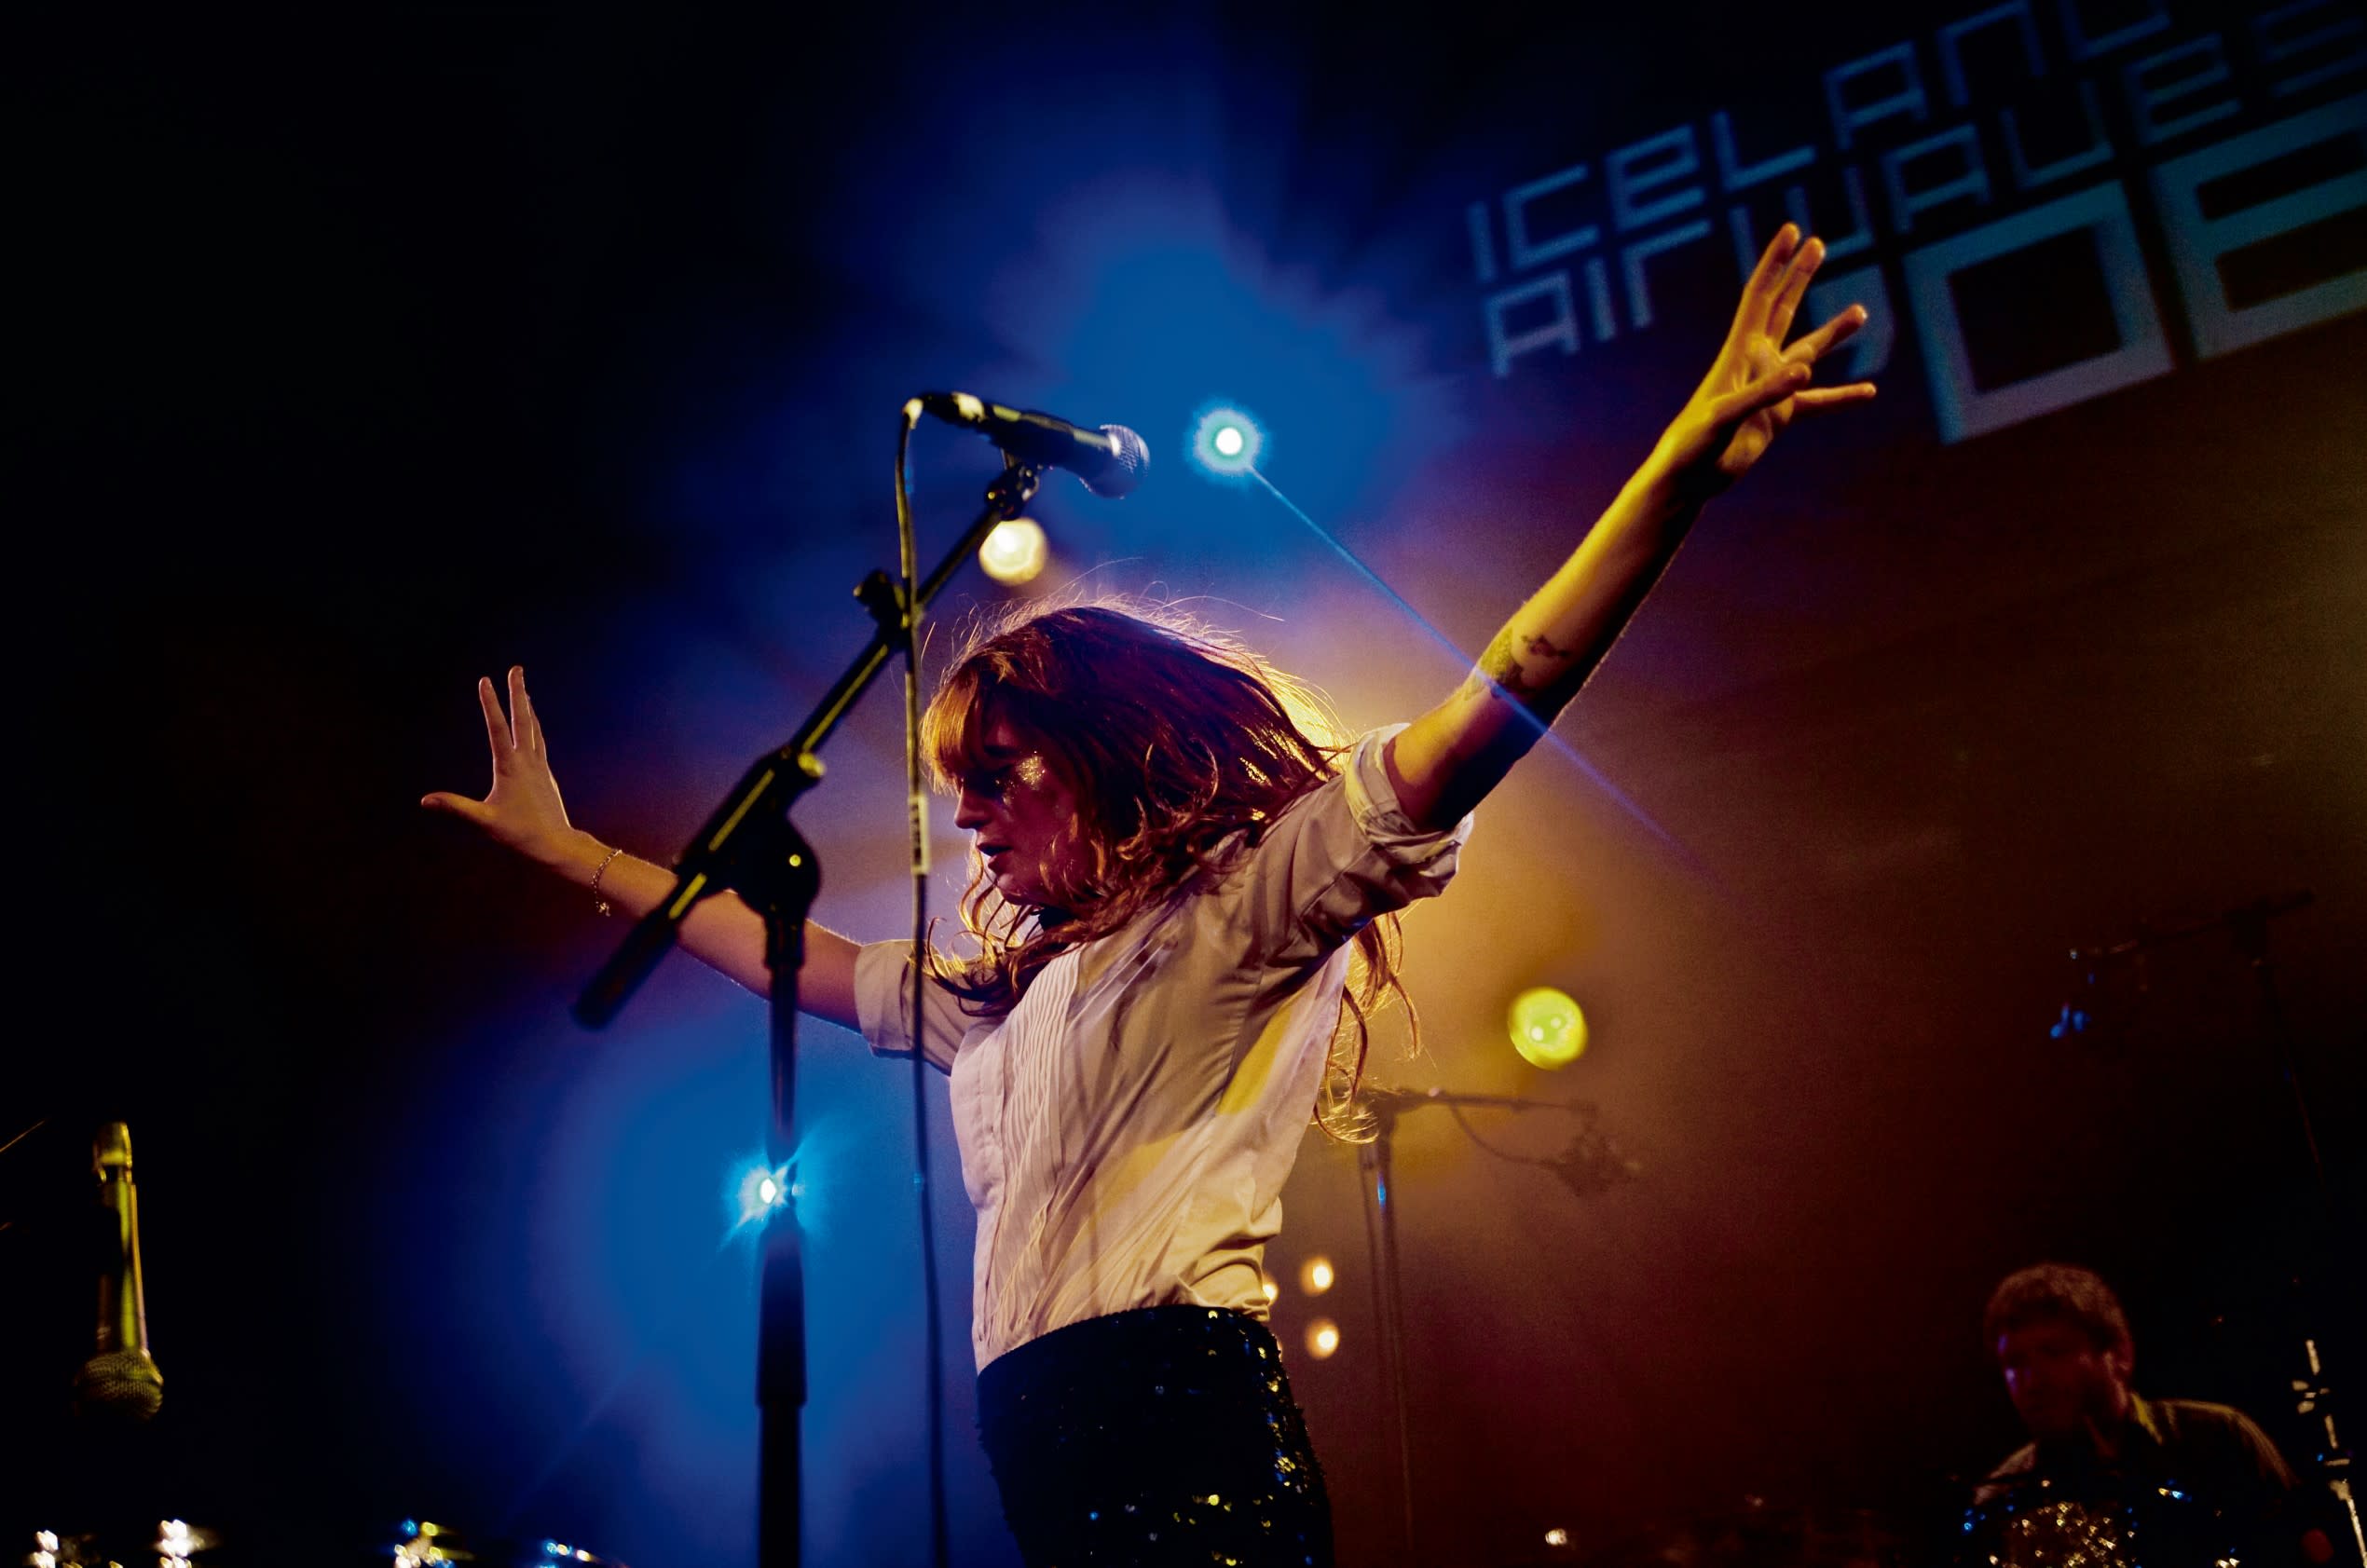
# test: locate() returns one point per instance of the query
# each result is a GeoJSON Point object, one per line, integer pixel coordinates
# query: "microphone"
{"type": "Point", "coordinates": [120, 1383]}
{"type": "Point", "coordinates": [1110, 460]}
{"type": "Point", "coordinates": [1593, 1164]}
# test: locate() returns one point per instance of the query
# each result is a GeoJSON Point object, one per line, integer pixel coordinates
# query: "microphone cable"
{"type": "Point", "coordinates": [917, 811]}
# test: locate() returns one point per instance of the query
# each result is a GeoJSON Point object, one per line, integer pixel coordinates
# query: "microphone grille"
{"type": "Point", "coordinates": [120, 1385]}
{"type": "Point", "coordinates": [1129, 455]}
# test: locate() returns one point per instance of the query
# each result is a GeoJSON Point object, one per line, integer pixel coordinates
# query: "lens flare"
{"type": "Point", "coordinates": [1322, 1337]}
{"type": "Point", "coordinates": [1225, 441]}
{"type": "Point", "coordinates": [1315, 1275]}
{"type": "Point", "coordinates": [761, 1192]}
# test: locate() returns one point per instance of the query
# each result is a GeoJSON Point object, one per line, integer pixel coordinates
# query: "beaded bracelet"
{"type": "Point", "coordinates": [598, 901]}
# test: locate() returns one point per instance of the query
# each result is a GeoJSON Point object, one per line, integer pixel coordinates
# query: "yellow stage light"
{"type": "Point", "coordinates": [1547, 1027]}
{"type": "Point", "coordinates": [1315, 1275]}
{"type": "Point", "coordinates": [1322, 1337]}
{"type": "Point", "coordinates": [1015, 552]}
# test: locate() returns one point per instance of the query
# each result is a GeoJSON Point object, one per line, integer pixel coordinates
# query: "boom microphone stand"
{"type": "Point", "coordinates": [749, 846]}
{"type": "Point", "coordinates": [1589, 1165]}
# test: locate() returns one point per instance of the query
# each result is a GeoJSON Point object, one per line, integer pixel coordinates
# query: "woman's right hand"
{"type": "Point", "coordinates": [523, 809]}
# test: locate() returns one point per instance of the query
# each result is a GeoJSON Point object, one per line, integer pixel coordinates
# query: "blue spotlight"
{"type": "Point", "coordinates": [1225, 441]}
{"type": "Point", "coordinates": [761, 1190]}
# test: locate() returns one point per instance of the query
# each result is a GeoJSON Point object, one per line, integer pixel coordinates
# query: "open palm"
{"type": "Point", "coordinates": [521, 808]}
{"type": "Point", "coordinates": [1757, 386]}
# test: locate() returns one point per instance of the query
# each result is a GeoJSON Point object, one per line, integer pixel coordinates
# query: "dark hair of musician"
{"type": "Point", "coordinates": [2055, 1292]}
{"type": "Point", "coordinates": [1181, 747]}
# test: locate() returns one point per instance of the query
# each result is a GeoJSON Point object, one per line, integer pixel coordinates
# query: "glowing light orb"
{"type": "Point", "coordinates": [761, 1192]}
{"type": "Point", "coordinates": [1547, 1027]}
{"type": "Point", "coordinates": [1273, 1292]}
{"type": "Point", "coordinates": [1558, 1538]}
{"type": "Point", "coordinates": [1225, 441]}
{"type": "Point", "coordinates": [1015, 552]}
{"type": "Point", "coordinates": [1315, 1275]}
{"type": "Point", "coordinates": [1322, 1337]}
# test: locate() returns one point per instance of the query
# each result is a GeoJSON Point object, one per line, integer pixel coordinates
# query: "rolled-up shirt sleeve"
{"type": "Point", "coordinates": [1344, 854]}
{"type": "Point", "coordinates": [883, 1007]}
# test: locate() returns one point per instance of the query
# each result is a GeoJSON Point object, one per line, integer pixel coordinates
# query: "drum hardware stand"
{"type": "Point", "coordinates": [2248, 925]}
{"type": "Point", "coordinates": [749, 846]}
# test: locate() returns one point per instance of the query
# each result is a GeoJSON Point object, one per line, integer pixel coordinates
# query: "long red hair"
{"type": "Point", "coordinates": [1181, 748]}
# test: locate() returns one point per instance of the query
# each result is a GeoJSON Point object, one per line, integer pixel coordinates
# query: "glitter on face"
{"type": "Point", "coordinates": [1021, 815]}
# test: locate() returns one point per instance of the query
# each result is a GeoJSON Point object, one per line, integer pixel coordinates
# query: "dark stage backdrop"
{"type": "Point", "coordinates": [357, 357]}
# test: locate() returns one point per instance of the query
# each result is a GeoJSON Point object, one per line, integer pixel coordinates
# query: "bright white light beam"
{"type": "Point", "coordinates": [1545, 730]}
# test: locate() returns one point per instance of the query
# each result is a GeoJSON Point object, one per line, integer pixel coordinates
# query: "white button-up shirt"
{"type": "Point", "coordinates": [1126, 1129]}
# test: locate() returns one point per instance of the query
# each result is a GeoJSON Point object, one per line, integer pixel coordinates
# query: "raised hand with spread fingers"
{"type": "Point", "coordinates": [1759, 383]}
{"type": "Point", "coordinates": [521, 808]}
{"type": "Point", "coordinates": [1451, 756]}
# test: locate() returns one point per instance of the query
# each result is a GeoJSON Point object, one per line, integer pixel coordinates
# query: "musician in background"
{"type": "Point", "coordinates": [2107, 1469]}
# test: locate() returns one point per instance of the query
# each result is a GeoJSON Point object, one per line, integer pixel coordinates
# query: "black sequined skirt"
{"type": "Point", "coordinates": [1161, 1437]}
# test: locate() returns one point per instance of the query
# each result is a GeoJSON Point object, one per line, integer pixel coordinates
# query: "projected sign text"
{"type": "Point", "coordinates": [2016, 150]}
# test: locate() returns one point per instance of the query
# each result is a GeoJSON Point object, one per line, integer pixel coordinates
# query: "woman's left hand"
{"type": "Point", "coordinates": [1757, 385]}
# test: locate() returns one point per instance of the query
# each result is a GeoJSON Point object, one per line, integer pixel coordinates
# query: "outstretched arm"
{"type": "Point", "coordinates": [1447, 760]}
{"type": "Point", "coordinates": [524, 810]}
